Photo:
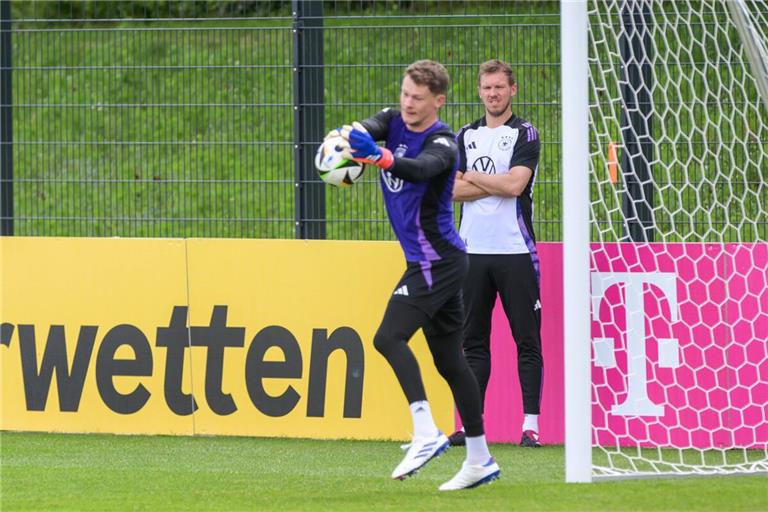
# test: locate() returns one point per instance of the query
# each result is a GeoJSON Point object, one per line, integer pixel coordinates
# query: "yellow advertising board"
{"type": "Point", "coordinates": [203, 336]}
{"type": "Point", "coordinates": [79, 328]}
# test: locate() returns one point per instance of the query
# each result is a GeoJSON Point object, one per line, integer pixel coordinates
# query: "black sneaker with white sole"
{"type": "Point", "coordinates": [458, 438]}
{"type": "Point", "coordinates": [530, 439]}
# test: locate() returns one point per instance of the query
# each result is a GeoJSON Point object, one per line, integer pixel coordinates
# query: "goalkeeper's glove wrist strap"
{"type": "Point", "coordinates": [387, 159]}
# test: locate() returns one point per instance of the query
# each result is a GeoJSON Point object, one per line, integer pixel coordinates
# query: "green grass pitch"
{"type": "Point", "coordinates": [107, 472]}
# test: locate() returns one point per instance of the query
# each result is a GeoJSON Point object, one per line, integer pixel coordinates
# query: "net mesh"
{"type": "Point", "coordinates": [679, 223]}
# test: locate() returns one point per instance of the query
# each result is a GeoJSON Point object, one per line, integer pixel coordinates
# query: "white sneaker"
{"type": "Point", "coordinates": [471, 475]}
{"type": "Point", "coordinates": [421, 451]}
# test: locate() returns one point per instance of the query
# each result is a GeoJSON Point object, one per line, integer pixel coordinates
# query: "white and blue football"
{"type": "Point", "coordinates": [333, 164]}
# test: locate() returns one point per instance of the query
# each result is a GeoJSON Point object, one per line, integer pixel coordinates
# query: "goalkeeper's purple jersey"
{"type": "Point", "coordinates": [418, 188]}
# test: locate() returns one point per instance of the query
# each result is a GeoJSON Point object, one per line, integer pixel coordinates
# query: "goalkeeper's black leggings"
{"type": "Point", "coordinates": [401, 321]}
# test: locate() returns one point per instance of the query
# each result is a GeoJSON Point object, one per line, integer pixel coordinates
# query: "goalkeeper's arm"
{"type": "Point", "coordinates": [437, 156]}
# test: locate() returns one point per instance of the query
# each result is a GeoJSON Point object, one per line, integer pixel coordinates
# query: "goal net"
{"type": "Point", "coordinates": [678, 224]}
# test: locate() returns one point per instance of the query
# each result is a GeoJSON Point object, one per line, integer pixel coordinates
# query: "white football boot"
{"type": "Point", "coordinates": [421, 451]}
{"type": "Point", "coordinates": [471, 475]}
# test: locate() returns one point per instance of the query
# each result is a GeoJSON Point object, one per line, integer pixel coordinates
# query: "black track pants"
{"type": "Point", "coordinates": [514, 278]}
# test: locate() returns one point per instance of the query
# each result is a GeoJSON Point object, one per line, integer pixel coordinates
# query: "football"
{"type": "Point", "coordinates": [333, 166]}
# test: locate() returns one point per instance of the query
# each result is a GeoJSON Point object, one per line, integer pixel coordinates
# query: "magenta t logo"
{"type": "Point", "coordinates": [637, 402]}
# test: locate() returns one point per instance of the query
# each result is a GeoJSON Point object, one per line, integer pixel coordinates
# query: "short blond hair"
{"type": "Point", "coordinates": [494, 66]}
{"type": "Point", "coordinates": [429, 73]}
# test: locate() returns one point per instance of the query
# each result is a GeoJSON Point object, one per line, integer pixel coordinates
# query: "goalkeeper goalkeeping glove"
{"type": "Point", "coordinates": [342, 144]}
{"type": "Point", "coordinates": [364, 148]}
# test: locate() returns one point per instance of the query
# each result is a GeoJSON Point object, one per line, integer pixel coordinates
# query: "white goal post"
{"type": "Point", "coordinates": [665, 213]}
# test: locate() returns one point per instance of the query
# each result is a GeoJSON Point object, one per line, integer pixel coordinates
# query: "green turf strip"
{"type": "Point", "coordinates": [105, 472]}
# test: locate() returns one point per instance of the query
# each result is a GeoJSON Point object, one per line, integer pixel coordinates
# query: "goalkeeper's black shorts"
{"type": "Point", "coordinates": [435, 288]}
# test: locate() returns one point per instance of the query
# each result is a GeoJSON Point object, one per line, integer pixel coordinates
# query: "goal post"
{"type": "Point", "coordinates": [665, 266]}
{"type": "Point", "coordinates": [574, 69]}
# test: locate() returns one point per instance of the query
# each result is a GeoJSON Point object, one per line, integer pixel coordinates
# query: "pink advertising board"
{"type": "Point", "coordinates": [686, 367]}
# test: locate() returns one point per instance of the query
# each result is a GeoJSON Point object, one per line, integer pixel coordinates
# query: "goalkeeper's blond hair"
{"type": "Point", "coordinates": [429, 73]}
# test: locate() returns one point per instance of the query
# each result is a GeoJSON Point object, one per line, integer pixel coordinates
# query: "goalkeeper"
{"type": "Point", "coordinates": [417, 170]}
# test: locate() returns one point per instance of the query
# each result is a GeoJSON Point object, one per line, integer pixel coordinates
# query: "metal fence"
{"type": "Point", "coordinates": [206, 125]}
